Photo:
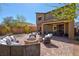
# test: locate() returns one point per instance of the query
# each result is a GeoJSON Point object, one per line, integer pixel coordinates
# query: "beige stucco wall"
{"type": "Point", "coordinates": [48, 28]}
{"type": "Point", "coordinates": [71, 29]}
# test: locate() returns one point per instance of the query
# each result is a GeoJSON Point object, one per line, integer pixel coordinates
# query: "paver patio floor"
{"type": "Point", "coordinates": [60, 46]}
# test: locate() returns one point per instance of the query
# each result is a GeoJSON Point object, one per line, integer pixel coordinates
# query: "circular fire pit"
{"type": "Point", "coordinates": [31, 41]}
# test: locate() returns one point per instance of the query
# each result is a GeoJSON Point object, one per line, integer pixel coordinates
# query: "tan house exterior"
{"type": "Point", "coordinates": [49, 23]}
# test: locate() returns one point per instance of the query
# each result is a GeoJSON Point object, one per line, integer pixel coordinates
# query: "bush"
{"type": "Point", "coordinates": [32, 28]}
{"type": "Point", "coordinates": [4, 30]}
{"type": "Point", "coordinates": [27, 29]}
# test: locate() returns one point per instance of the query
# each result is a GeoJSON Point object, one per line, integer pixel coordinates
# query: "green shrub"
{"type": "Point", "coordinates": [27, 29]}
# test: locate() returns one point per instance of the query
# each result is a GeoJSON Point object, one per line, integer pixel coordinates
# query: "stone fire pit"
{"type": "Point", "coordinates": [31, 41]}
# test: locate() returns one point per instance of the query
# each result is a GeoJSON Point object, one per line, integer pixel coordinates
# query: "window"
{"type": "Point", "coordinates": [39, 18]}
{"type": "Point", "coordinates": [49, 16]}
{"type": "Point", "coordinates": [55, 28]}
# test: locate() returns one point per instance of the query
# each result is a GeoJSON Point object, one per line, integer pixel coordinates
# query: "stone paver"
{"type": "Point", "coordinates": [60, 47]}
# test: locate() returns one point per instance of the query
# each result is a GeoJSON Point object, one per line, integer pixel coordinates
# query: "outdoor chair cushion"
{"type": "Point", "coordinates": [46, 40]}
{"type": "Point", "coordinates": [32, 34]}
{"type": "Point", "coordinates": [4, 39]}
{"type": "Point", "coordinates": [8, 40]}
{"type": "Point", "coordinates": [31, 38]}
{"type": "Point", "coordinates": [48, 37]}
{"type": "Point", "coordinates": [8, 37]}
{"type": "Point", "coordinates": [14, 43]}
{"type": "Point", "coordinates": [13, 39]}
{"type": "Point", "coordinates": [3, 42]}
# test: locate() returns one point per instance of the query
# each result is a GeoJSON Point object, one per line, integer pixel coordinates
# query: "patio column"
{"type": "Point", "coordinates": [65, 28]}
{"type": "Point", "coordinates": [42, 29]}
{"type": "Point", "coordinates": [71, 29]}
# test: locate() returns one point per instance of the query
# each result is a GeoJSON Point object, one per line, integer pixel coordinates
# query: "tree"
{"type": "Point", "coordinates": [17, 25]}
{"type": "Point", "coordinates": [66, 12]}
{"type": "Point", "coordinates": [77, 10]}
{"type": "Point", "coordinates": [26, 29]}
{"type": "Point", "coordinates": [17, 22]}
{"type": "Point", "coordinates": [20, 18]}
{"type": "Point", "coordinates": [8, 20]}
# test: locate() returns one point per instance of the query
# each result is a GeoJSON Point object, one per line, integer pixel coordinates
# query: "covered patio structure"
{"type": "Point", "coordinates": [59, 28]}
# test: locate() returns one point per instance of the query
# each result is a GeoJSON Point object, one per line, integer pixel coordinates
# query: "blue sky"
{"type": "Point", "coordinates": [28, 10]}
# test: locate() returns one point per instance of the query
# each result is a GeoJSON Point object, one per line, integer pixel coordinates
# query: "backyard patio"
{"type": "Point", "coordinates": [59, 46]}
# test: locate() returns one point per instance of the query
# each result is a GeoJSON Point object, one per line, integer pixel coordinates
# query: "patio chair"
{"type": "Point", "coordinates": [33, 34]}
{"type": "Point", "coordinates": [47, 38]}
{"type": "Point", "coordinates": [8, 40]}
{"type": "Point", "coordinates": [2, 42]}
{"type": "Point", "coordinates": [31, 38]}
{"type": "Point", "coordinates": [13, 39]}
